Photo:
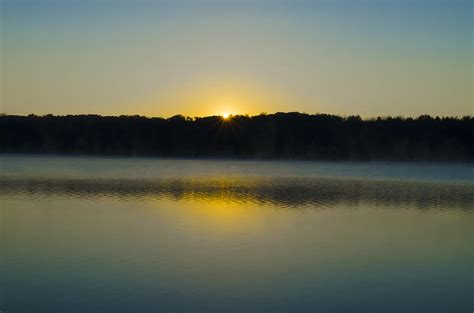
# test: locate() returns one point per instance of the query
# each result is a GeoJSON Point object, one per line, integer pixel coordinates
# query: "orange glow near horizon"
{"type": "Point", "coordinates": [213, 97]}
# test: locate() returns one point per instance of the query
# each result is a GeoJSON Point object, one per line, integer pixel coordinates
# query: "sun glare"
{"type": "Point", "coordinates": [225, 115]}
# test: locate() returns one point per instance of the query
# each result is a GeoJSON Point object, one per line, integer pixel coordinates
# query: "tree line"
{"type": "Point", "coordinates": [272, 136]}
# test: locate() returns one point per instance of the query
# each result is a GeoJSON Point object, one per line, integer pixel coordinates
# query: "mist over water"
{"type": "Point", "coordinates": [144, 235]}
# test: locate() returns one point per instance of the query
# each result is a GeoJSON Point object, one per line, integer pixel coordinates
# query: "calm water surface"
{"type": "Point", "coordinates": [150, 235]}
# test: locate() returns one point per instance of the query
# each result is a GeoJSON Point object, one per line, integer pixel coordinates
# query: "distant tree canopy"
{"type": "Point", "coordinates": [272, 136]}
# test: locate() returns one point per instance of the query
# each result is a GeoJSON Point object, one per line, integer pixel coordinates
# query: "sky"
{"type": "Point", "coordinates": [199, 58]}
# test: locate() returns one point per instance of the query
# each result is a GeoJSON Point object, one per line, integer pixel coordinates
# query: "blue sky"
{"type": "Point", "coordinates": [160, 58]}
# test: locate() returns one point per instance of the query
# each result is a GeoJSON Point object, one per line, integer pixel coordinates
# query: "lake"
{"type": "Point", "coordinates": [155, 235]}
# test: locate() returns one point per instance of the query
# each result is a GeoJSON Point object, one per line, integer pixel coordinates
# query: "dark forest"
{"type": "Point", "coordinates": [272, 136]}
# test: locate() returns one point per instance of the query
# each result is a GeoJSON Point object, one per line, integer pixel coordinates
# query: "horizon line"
{"type": "Point", "coordinates": [3, 114]}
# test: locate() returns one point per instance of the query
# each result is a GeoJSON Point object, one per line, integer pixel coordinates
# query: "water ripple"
{"type": "Point", "coordinates": [282, 192]}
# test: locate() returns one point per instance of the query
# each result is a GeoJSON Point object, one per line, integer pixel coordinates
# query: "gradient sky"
{"type": "Point", "coordinates": [196, 58]}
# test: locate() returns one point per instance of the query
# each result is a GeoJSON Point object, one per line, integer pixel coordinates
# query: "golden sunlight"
{"type": "Point", "coordinates": [225, 115]}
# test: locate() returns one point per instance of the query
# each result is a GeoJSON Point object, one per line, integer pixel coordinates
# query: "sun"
{"type": "Point", "coordinates": [225, 115]}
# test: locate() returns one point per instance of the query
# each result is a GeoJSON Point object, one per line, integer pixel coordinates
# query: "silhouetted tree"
{"type": "Point", "coordinates": [276, 136]}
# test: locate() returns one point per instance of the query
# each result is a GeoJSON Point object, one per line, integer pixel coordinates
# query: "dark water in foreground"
{"type": "Point", "coordinates": [145, 235]}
